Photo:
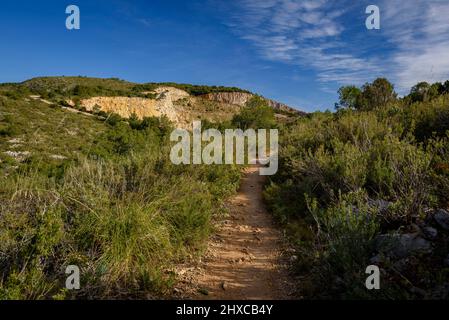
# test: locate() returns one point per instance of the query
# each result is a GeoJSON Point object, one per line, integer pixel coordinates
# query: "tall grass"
{"type": "Point", "coordinates": [117, 208]}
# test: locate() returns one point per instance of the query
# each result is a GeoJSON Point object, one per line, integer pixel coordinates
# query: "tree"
{"type": "Point", "coordinates": [446, 87]}
{"type": "Point", "coordinates": [256, 114]}
{"type": "Point", "coordinates": [348, 97]}
{"type": "Point", "coordinates": [134, 121]}
{"type": "Point", "coordinates": [376, 94]}
{"type": "Point", "coordinates": [419, 91]}
{"type": "Point", "coordinates": [435, 90]}
{"type": "Point", "coordinates": [423, 91]}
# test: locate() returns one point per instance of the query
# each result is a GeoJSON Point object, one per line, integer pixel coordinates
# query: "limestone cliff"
{"type": "Point", "coordinates": [236, 98]}
{"type": "Point", "coordinates": [178, 105]}
{"type": "Point", "coordinates": [241, 98]}
{"type": "Point", "coordinates": [142, 107]}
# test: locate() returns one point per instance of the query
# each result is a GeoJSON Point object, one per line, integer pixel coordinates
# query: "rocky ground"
{"type": "Point", "coordinates": [417, 254]}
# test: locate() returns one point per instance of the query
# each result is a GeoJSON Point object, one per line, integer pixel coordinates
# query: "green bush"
{"type": "Point", "coordinates": [256, 114]}
{"type": "Point", "coordinates": [340, 226]}
{"type": "Point", "coordinates": [331, 169]}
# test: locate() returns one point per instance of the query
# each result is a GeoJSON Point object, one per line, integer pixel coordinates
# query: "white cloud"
{"type": "Point", "coordinates": [420, 31]}
{"type": "Point", "coordinates": [320, 35]}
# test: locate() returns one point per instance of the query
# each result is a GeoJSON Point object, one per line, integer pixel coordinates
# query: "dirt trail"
{"type": "Point", "coordinates": [244, 257]}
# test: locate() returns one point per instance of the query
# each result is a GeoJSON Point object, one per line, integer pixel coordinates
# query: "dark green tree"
{"type": "Point", "coordinates": [256, 114]}
{"type": "Point", "coordinates": [348, 97]}
{"type": "Point", "coordinates": [375, 95]}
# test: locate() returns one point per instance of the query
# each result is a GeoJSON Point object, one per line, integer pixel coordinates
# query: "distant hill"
{"type": "Point", "coordinates": [181, 103]}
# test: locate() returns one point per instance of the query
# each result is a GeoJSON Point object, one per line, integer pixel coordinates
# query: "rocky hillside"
{"type": "Point", "coordinates": [241, 98]}
{"type": "Point", "coordinates": [180, 103]}
{"type": "Point", "coordinates": [178, 106]}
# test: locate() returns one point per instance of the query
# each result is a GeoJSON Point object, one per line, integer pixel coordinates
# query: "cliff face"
{"type": "Point", "coordinates": [236, 98]}
{"type": "Point", "coordinates": [179, 106]}
{"type": "Point", "coordinates": [240, 99]}
{"type": "Point", "coordinates": [142, 107]}
{"type": "Point", "coordinates": [283, 107]}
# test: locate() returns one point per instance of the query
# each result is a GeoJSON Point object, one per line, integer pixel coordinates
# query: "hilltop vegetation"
{"type": "Point", "coordinates": [368, 185]}
{"type": "Point", "coordinates": [57, 88]}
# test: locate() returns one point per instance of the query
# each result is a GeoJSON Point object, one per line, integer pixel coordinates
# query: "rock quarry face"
{"type": "Point", "coordinates": [241, 98]}
{"type": "Point", "coordinates": [142, 107]}
{"type": "Point", "coordinates": [237, 98]}
{"type": "Point", "coordinates": [166, 104]}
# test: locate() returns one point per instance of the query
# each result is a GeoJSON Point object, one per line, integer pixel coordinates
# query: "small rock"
{"type": "Point", "coordinates": [15, 141]}
{"type": "Point", "coordinates": [380, 204]}
{"type": "Point", "coordinates": [19, 155]}
{"type": "Point", "coordinates": [377, 259]}
{"type": "Point", "coordinates": [429, 232]}
{"type": "Point", "coordinates": [442, 218]}
{"type": "Point", "coordinates": [402, 245]}
{"type": "Point", "coordinates": [57, 157]}
{"type": "Point", "coordinates": [177, 290]}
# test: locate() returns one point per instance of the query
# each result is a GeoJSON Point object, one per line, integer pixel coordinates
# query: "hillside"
{"type": "Point", "coordinates": [101, 194]}
{"type": "Point", "coordinates": [181, 103]}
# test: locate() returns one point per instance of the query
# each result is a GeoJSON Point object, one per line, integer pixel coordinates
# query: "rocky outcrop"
{"type": "Point", "coordinates": [142, 107]}
{"type": "Point", "coordinates": [442, 219]}
{"type": "Point", "coordinates": [283, 107]}
{"type": "Point", "coordinates": [241, 98]}
{"type": "Point", "coordinates": [176, 104]}
{"type": "Point", "coordinates": [402, 245]}
{"type": "Point", "coordinates": [237, 98]}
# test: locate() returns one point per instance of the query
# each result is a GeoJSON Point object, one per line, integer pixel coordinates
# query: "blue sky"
{"type": "Point", "coordinates": [295, 51]}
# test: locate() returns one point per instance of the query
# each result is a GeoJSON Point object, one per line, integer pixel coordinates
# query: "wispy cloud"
{"type": "Point", "coordinates": [321, 35]}
{"type": "Point", "coordinates": [144, 21]}
{"type": "Point", "coordinates": [420, 32]}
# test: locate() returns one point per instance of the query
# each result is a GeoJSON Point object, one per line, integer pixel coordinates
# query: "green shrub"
{"type": "Point", "coordinates": [256, 114]}
{"type": "Point", "coordinates": [340, 226]}
{"type": "Point", "coordinates": [332, 167]}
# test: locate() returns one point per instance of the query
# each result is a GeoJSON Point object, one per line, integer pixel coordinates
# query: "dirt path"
{"type": "Point", "coordinates": [244, 258]}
